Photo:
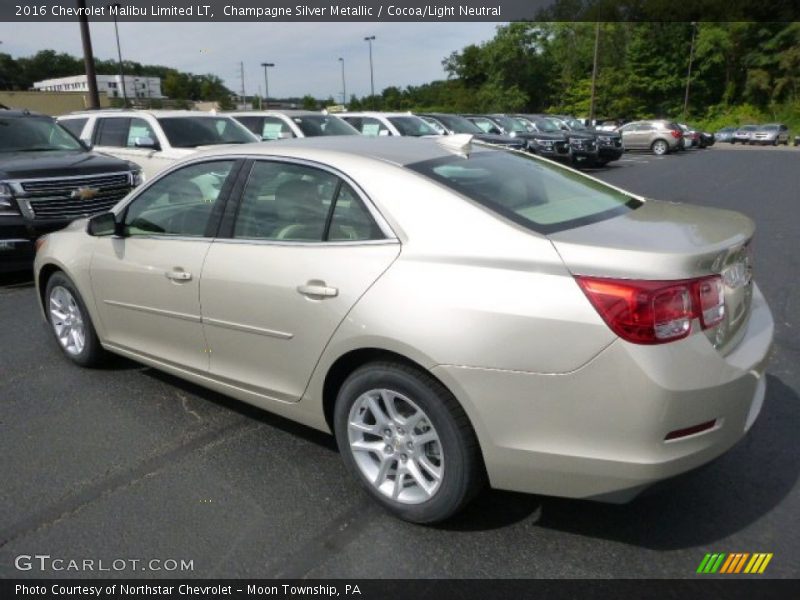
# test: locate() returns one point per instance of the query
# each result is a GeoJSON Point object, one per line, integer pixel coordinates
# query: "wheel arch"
{"type": "Point", "coordinates": [44, 275]}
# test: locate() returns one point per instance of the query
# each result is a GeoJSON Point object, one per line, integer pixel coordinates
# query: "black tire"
{"type": "Point", "coordinates": [463, 471]}
{"type": "Point", "coordinates": [92, 354]}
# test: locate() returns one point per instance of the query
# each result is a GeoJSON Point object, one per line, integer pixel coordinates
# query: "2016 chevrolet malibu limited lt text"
{"type": "Point", "coordinates": [455, 314]}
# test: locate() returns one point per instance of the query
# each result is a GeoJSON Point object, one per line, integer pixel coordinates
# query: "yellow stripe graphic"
{"type": "Point", "coordinates": [753, 563]}
{"type": "Point", "coordinates": [765, 563]}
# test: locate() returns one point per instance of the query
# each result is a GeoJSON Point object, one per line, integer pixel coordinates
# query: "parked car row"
{"type": "Point", "coordinates": [768, 134]}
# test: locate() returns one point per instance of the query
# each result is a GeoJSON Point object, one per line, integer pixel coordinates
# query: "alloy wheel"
{"type": "Point", "coordinates": [67, 320]}
{"type": "Point", "coordinates": [395, 446]}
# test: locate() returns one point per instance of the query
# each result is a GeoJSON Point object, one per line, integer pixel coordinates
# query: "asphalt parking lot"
{"type": "Point", "coordinates": [126, 462]}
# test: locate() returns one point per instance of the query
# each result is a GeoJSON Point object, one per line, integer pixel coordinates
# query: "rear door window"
{"type": "Point", "coordinates": [74, 126]}
{"type": "Point", "coordinates": [112, 131]}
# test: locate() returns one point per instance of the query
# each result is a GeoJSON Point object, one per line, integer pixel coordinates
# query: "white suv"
{"type": "Point", "coordinates": [154, 139]}
{"type": "Point", "coordinates": [286, 124]}
{"type": "Point", "coordinates": [390, 123]}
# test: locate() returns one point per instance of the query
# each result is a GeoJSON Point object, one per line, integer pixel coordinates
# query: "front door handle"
{"type": "Point", "coordinates": [178, 274]}
{"type": "Point", "coordinates": [318, 289]}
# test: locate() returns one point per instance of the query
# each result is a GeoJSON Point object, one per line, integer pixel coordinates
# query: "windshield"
{"type": "Point", "coordinates": [412, 126]}
{"type": "Point", "coordinates": [573, 123]}
{"type": "Point", "coordinates": [458, 124]}
{"type": "Point", "coordinates": [769, 128]}
{"type": "Point", "coordinates": [486, 125]}
{"type": "Point", "coordinates": [542, 197]}
{"type": "Point", "coordinates": [547, 126]}
{"type": "Point", "coordinates": [748, 128]}
{"type": "Point", "coordinates": [34, 134]}
{"type": "Point", "coordinates": [190, 132]}
{"type": "Point", "coordinates": [510, 124]}
{"type": "Point", "coordinates": [318, 125]}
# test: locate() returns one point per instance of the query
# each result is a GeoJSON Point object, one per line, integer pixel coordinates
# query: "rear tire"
{"type": "Point", "coordinates": [404, 436]}
{"type": "Point", "coordinates": [659, 147]}
{"type": "Point", "coordinates": [70, 322]}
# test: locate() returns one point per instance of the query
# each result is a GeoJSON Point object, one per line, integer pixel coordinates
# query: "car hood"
{"type": "Point", "coordinates": [540, 135]}
{"type": "Point", "coordinates": [34, 165]}
{"type": "Point", "coordinates": [491, 138]}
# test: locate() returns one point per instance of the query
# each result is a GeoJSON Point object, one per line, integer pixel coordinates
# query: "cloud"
{"type": "Point", "coordinates": [305, 54]}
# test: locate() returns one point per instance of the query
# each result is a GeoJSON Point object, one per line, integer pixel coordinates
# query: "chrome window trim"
{"type": "Point", "coordinates": [310, 244]}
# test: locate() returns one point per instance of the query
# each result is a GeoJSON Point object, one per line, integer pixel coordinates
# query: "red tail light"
{"type": "Point", "coordinates": [655, 312]}
{"type": "Point", "coordinates": [676, 134]}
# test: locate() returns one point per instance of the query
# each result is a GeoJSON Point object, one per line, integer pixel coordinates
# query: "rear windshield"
{"type": "Point", "coordinates": [459, 124]}
{"type": "Point", "coordinates": [542, 197]}
{"type": "Point", "coordinates": [190, 132]}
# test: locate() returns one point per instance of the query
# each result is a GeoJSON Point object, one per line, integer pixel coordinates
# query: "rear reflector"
{"type": "Point", "coordinates": [679, 433]}
{"type": "Point", "coordinates": [655, 312]}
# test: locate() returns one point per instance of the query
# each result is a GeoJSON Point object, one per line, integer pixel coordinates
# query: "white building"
{"type": "Point", "coordinates": [135, 86]}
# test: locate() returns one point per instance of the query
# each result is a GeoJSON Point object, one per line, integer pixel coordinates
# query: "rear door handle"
{"type": "Point", "coordinates": [178, 274]}
{"type": "Point", "coordinates": [318, 290]}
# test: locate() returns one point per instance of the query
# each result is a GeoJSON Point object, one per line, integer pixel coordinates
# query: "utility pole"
{"type": "Point", "coordinates": [266, 66]}
{"type": "Point", "coordinates": [689, 72]}
{"type": "Point", "coordinates": [119, 55]}
{"type": "Point", "coordinates": [344, 86]}
{"type": "Point", "coordinates": [88, 56]}
{"type": "Point", "coordinates": [594, 72]}
{"type": "Point", "coordinates": [241, 74]}
{"type": "Point", "coordinates": [369, 40]}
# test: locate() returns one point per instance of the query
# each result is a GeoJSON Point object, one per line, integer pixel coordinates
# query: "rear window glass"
{"type": "Point", "coordinates": [539, 196]}
{"type": "Point", "coordinates": [190, 132]}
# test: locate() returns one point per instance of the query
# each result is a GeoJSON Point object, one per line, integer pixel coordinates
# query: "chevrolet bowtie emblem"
{"type": "Point", "coordinates": [84, 193]}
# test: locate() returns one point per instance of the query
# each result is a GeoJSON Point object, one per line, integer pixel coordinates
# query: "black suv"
{"type": "Point", "coordinates": [453, 124]}
{"type": "Point", "coordinates": [587, 146]}
{"type": "Point", "coordinates": [47, 179]}
{"type": "Point", "coordinates": [551, 144]}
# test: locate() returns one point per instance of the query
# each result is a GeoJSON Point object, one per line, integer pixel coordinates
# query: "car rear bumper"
{"type": "Point", "coordinates": [599, 431]}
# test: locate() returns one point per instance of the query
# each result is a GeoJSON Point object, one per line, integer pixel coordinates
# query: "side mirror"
{"type": "Point", "coordinates": [87, 143]}
{"type": "Point", "coordinates": [384, 133]}
{"type": "Point", "coordinates": [103, 224]}
{"type": "Point", "coordinates": [285, 135]}
{"type": "Point", "coordinates": [146, 142]}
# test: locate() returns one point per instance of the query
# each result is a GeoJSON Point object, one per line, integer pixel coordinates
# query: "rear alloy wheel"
{"type": "Point", "coordinates": [70, 322]}
{"type": "Point", "coordinates": [408, 441]}
{"type": "Point", "coordinates": [659, 147]}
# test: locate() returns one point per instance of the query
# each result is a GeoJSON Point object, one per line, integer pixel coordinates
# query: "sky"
{"type": "Point", "coordinates": [305, 54]}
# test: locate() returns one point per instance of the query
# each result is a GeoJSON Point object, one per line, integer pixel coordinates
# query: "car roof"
{"type": "Point", "coordinates": [376, 113]}
{"type": "Point", "coordinates": [114, 112]}
{"type": "Point", "coordinates": [21, 114]}
{"type": "Point", "coordinates": [272, 112]}
{"type": "Point", "coordinates": [398, 150]}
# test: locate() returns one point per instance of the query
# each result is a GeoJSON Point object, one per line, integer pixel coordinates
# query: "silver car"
{"type": "Point", "coordinates": [455, 314]}
{"type": "Point", "coordinates": [659, 137]}
{"type": "Point", "coordinates": [772, 133]}
{"type": "Point", "coordinates": [744, 135]}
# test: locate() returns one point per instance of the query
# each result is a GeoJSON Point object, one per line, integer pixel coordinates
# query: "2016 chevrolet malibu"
{"type": "Point", "coordinates": [454, 314]}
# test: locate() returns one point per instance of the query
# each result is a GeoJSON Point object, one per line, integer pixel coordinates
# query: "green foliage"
{"type": "Point", "coordinates": [21, 73]}
{"type": "Point", "coordinates": [309, 102]}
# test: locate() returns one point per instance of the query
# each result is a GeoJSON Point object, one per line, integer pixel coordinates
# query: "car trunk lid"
{"type": "Point", "coordinates": [670, 241]}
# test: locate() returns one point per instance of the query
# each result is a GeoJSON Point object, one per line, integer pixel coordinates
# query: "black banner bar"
{"type": "Point", "coordinates": [729, 588]}
{"type": "Point", "coordinates": [404, 10]}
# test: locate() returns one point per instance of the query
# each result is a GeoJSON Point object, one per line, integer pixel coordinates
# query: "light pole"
{"type": "Point", "coordinates": [119, 56]}
{"type": "Point", "coordinates": [88, 56]}
{"type": "Point", "coordinates": [689, 72]}
{"type": "Point", "coordinates": [344, 86]}
{"type": "Point", "coordinates": [369, 40]}
{"type": "Point", "coordinates": [266, 65]}
{"type": "Point", "coordinates": [594, 72]}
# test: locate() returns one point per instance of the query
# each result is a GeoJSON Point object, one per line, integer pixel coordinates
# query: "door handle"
{"type": "Point", "coordinates": [318, 289]}
{"type": "Point", "coordinates": [178, 274]}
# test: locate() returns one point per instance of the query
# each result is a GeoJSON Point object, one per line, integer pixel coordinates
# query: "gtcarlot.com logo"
{"type": "Point", "coordinates": [736, 562]}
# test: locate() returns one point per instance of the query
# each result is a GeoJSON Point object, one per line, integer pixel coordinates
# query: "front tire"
{"type": "Point", "coordinates": [404, 436]}
{"type": "Point", "coordinates": [70, 322]}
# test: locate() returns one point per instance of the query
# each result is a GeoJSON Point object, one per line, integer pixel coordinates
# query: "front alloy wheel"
{"type": "Point", "coordinates": [67, 321]}
{"type": "Point", "coordinates": [70, 322]}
